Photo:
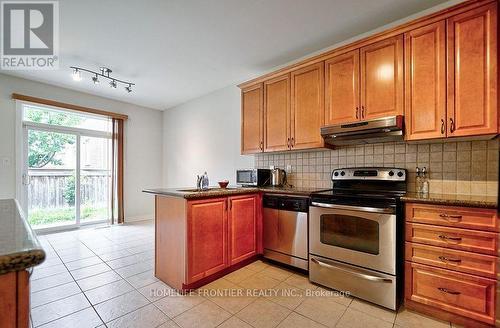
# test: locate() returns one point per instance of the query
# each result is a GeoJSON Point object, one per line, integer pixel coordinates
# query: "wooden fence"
{"type": "Point", "coordinates": [54, 188]}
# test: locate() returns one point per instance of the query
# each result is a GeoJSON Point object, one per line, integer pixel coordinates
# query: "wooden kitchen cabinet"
{"type": "Point", "coordinates": [382, 78]}
{"type": "Point", "coordinates": [243, 227]}
{"type": "Point", "coordinates": [207, 241]}
{"type": "Point", "coordinates": [252, 115]}
{"type": "Point", "coordinates": [15, 299]}
{"type": "Point", "coordinates": [472, 72]}
{"type": "Point", "coordinates": [277, 113]}
{"type": "Point", "coordinates": [425, 84]}
{"type": "Point", "coordinates": [342, 88]}
{"type": "Point", "coordinates": [307, 107]}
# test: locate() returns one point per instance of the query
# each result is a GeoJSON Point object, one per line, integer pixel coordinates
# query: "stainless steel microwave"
{"type": "Point", "coordinates": [253, 177]}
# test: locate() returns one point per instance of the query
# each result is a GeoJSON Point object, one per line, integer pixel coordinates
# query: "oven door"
{"type": "Point", "coordinates": [365, 237]}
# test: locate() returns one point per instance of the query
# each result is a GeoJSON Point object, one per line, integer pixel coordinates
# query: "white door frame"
{"type": "Point", "coordinates": [22, 129]}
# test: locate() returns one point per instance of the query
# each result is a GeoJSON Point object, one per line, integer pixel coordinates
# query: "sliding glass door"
{"type": "Point", "coordinates": [66, 178]}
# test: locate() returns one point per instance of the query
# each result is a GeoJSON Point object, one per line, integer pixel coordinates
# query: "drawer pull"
{"type": "Point", "coordinates": [446, 216]}
{"type": "Point", "coordinates": [446, 290]}
{"type": "Point", "coordinates": [447, 259]}
{"type": "Point", "coordinates": [444, 237]}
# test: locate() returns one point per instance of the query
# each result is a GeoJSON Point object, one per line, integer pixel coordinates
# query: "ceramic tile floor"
{"type": "Point", "coordinates": [104, 278]}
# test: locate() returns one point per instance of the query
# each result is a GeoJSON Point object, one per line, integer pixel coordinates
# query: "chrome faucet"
{"type": "Point", "coordinates": [199, 182]}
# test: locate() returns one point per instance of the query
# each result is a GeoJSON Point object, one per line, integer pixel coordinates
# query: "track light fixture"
{"type": "Point", "coordinates": [104, 73]}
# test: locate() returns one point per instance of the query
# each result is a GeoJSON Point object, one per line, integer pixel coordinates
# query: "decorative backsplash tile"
{"type": "Point", "coordinates": [469, 167]}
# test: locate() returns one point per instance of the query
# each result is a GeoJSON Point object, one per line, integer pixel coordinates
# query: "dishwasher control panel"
{"type": "Point", "coordinates": [286, 203]}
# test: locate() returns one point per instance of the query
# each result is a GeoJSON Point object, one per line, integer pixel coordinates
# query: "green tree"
{"type": "Point", "coordinates": [43, 146]}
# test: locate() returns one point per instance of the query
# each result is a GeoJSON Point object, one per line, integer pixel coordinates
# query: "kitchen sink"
{"type": "Point", "coordinates": [209, 189]}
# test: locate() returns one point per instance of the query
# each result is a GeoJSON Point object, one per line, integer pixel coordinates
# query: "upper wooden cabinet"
{"type": "Point", "coordinates": [277, 113]}
{"type": "Point", "coordinates": [307, 107]}
{"type": "Point", "coordinates": [365, 83]}
{"type": "Point", "coordinates": [425, 83]}
{"type": "Point", "coordinates": [382, 78]}
{"type": "Point", "coordinates": [252, 125]}
{"type": "Point", "coordinates": [472, 72]}
{"type": "Point", "coordinates": [342, 88]}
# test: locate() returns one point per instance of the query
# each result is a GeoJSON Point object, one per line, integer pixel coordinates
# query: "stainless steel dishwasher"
{"type": "Point", "coordinates": [285, 229]}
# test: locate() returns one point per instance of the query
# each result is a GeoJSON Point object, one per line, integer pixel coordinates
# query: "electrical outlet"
{"type": "Point", "coordinates": [288, 168]}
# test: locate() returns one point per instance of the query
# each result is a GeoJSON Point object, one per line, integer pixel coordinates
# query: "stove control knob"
{"type": "Point", "coordinates": [391, 173]}
{"type": "Point", "coordinates": [342, 173]}
{"type": "Point", "coordinates": [400, 174]}
{"type": "Point", "coordinates": [336, 174]}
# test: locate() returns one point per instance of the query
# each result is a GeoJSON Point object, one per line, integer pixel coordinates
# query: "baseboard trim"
{"type": "Point", "coordinates": [145, 217]}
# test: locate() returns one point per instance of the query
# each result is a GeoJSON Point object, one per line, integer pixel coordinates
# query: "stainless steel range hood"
{"type": "Point", "coordinates": [364, 132]}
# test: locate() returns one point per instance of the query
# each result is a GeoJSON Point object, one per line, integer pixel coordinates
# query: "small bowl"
{"type": "Point", "coordinates": [223, 184]}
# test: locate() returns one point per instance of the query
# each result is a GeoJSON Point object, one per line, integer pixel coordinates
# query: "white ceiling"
{"type": "Point", "coordinates": [177, 50]}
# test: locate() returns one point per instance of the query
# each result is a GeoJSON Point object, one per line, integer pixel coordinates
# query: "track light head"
{"type": "Point", "coordinates": [77, 75]}
{"type": "Point", "coordinates": [112, 84]}
{"type": "Point", "coordinates": [95, 79]}
{"type": "Point", "coordinates": [128, 88]}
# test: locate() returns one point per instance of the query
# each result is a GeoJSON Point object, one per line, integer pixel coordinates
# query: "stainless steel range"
{"type": "Point", "coordinates": [355, 234]}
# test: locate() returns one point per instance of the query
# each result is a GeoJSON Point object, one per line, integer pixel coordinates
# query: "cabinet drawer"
{"type": "Point", "coordinates": [462, 294]}
{"type": "Point", "coordinates": [461, 239]}
{"type": "Point", "coordinates": [467, 262]}
{"type": "Point", "coordinates": [460, 217]}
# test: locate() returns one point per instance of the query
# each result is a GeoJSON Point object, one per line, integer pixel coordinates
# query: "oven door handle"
{"type": "Point", "coordinates": [355, 208]}
{"type": "Point", "coordinates": [351, 271]}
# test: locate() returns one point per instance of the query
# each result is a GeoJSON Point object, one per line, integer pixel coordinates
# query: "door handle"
{"type": "Point", "coordinates": [447, 259]}
{"type": "Point", "coordinates": [351, 271]}
{"type": "Point", "coordinates": [444, 237]}
{"type": "Point", "coordinates": [388, 210]}
{"type": "Point", "coordinates": [292, 141]}
{"type": "Point", "coordinates": [357, 112]}
{"type": "Point", "coordinates": [442, 126]}
{"type": "Point", "coordinates": [447, 217]}
{"type": "Point", "coordinates": [362, 111]}
{"type": "Point", "coordinates": [449, 291]}
{"type": "Point", "coordinates": [261, 145]}
{"type": "Point", "coordinates": [288, 142]}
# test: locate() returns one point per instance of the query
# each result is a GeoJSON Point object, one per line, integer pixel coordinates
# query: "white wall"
{"type": "Point", "coordinates": [203, 135]}
{"type": "Point", "coordinates": [143, 140]}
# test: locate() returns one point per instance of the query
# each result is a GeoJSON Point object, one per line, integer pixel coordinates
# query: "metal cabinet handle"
{"type": "Point", "coordinates": [261, 145]}
{"type": "Point", "coordinates": [450, 238]}
{"type": "Point", "coordinates": [449, 291]}
{"type": "Point", "coordinates": [288, 142]}
{"type": "Point", "coordinates": [447, 259]}
{"type": "Point", "coordinates": [362, 111]}
{"type": "Point", "coordinates": [447, 216]}
{"type": "Point", "coordinates": [442, 126]}
{"type": "Point", "coordinates": [292, 142]}
{"type": "Point", "coordinates": [452, 125]}
{"type": "Point", "coordinates": [357, 112]}
{"type": "Point", "coordinates": [350, 271]}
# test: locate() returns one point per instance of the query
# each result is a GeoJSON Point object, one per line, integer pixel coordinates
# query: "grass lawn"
{"type": "Point", "coordinates": [38, 217]}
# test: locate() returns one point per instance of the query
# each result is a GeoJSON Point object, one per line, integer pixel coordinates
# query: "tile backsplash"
{"type": "Point", "coordinates": [469, 167]}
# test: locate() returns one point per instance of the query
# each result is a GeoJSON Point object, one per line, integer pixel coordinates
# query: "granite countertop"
{"type": "Point", "coordinates": [19, 247]}
{"type": "Point", "coordinates": [191, 193]}
{"type": "Point", "coordinates": [452, 200]}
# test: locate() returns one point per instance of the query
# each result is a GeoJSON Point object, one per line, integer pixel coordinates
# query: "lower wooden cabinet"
{"type": "Point", "coordinates": [206, 237]}
{"type": "Point", "coordinates": [451, 263]}
{"type": "Point", "coordinates": [466, 295]}
{"type": "Point", "coordinates": [221, 232]}
{"type": "Point", "coordinates": [14, 299]}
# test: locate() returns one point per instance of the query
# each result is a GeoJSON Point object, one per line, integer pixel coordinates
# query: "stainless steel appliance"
{"type": "Point", "coordinates": [278, 177]}
{"type": "Point", "coordinates": [355, 234]}
{"type": "Point", "coordinates": [372, 131]}
{"type": "Point", "coordinates": [253, 177]}
{"type": "Point", "coordinates": [285, 229]}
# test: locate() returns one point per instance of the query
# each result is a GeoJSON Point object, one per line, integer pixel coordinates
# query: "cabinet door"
{"type": "Point", "coordinates": [472, 72]}
{"type": "Point", "coordinates": [252, 125]}
{"type": "Point", "coordinates": [425, 67]}
{"type": "Point", "coordinates": [277, 113]}
{"type": "Point", "coordinates": [307, 106]}
{"type": "Point", "coordinates": [242, 227]}
{"type": "Point", "coordinates": [382, 78]}
{"type": "Point", "coordinates": [207, 237]}
{"type": "Point", "coordinates": [342, 88]}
